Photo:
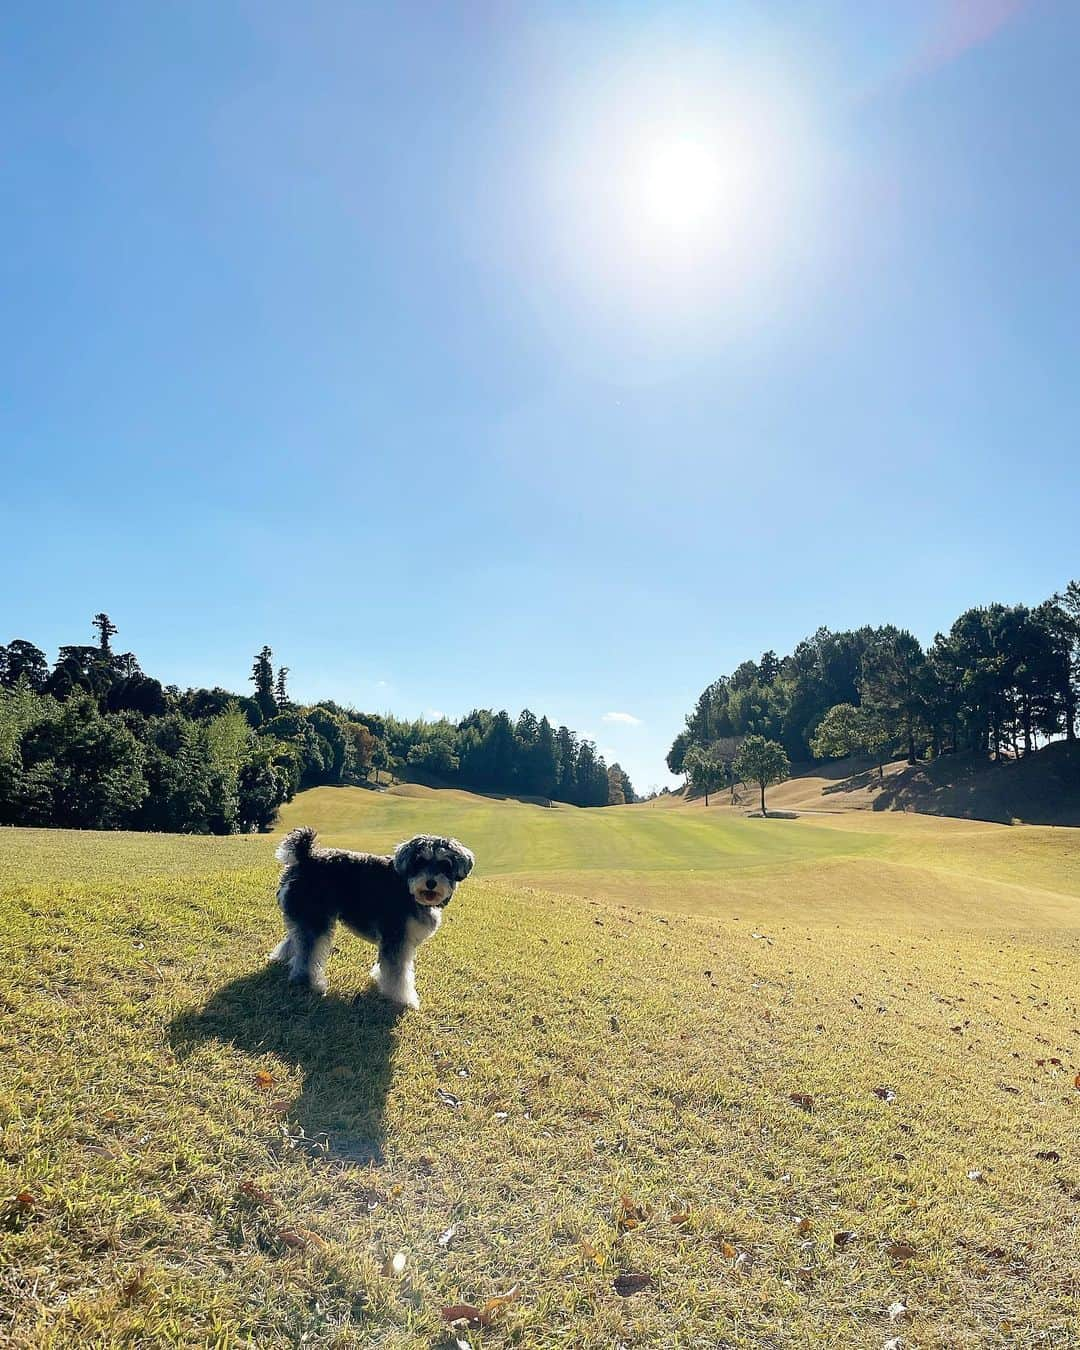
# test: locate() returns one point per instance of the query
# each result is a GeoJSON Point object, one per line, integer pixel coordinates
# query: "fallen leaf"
{"type": "Point", "coordinates": [683, 1216]}
{"type": "Point", "coordinates": [26, 1200]}
{"type": "Point", "coordinates": [448, 1098]}
{"type": "Point", "coordinates": [493, 1306]}
{"type": "Point", "coordinates": [844, 1239]}
{"type": "Point", "coordinates": [256, 1193]}
{"type": "Point", "coordinates": [485, 1314]}
{"type": "Point", "coordinates": [615, 1024]}
{"type": "Point", "coordinates": [460, 1312]}
{"type": "Point", "coordinates": [894, 1343]}
{"type": "Point", "coordinates": [544, 1080]}
{"type": "Point", "coordinates": [280, 1108]}
{"type": "Point", "coordinates": [802, 1100]}
{"type": "Point", "coordinates": [134, 1286]}
{"type": "Point", "coordinates": [744, 1263]}
{"type": "Point", "coordinates": [728, 1250]}
{"type": "Point", "coordinates": [299, 1238]}
{"type": "Point", "coordinates": [631, 1282]}
{"type": "Point", "coordinates": [395, 1266]}
{"type": "Point", "coordinates": [100, 1151]}
{"type": "Point", "coordinates": [976, 1175]}
{"type": "Point", "coordinates": [264, 1079]}
{"type": "Point", "coordinates": [1050, 1155]}
{"type": "Point", "coordinates": [631, 1215]}
{"type": "Point", "coordinates": [885, 1093]}
{"type": "Point", "coordinates": [899, 1312]}
{"type": "Point", "coordinates": [1076, 1082]}
{"type": "Point", "coordinates": [447, 1235]}
{"type": "Point", "coordinates": [804, 1226]}
{"type": "Point", "coordinates": [900, 1251]}
{"type": "Point", "coordinates": [803, 1275]}
{"type": "Point", "coordinates": [589, 1252]}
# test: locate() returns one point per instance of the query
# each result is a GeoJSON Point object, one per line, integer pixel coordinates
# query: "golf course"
{"type": "Point", "coordinates": [679, 1078]}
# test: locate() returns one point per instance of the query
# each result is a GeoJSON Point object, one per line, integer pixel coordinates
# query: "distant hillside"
{"type": "Point", "coordinates": [1040, 789]}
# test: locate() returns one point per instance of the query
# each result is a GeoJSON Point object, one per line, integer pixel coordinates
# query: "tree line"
{"type": "Point", "coordinates": [1000, 680]}
{"type": "Point", "coordinates": [93, 742]}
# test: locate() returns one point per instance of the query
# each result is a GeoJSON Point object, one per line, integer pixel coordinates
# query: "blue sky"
{"type": "Point", "coordinates": [507, 354]}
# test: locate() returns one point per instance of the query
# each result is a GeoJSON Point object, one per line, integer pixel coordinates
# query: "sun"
{"type": "Point", "coordinates": [676, 184]}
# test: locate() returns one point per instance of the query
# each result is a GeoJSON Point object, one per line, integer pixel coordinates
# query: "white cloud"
{"type": "Point", "coordinates": [628, 719]}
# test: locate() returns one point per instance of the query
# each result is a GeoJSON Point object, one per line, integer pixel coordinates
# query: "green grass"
{"type": "Point", "coordinates": [620, 1003]}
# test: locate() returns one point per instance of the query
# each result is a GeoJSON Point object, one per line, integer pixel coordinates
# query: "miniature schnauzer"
{"type": "Point", "coordinates": [395, 902]}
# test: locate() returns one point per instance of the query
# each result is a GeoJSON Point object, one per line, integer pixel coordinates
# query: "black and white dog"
{"type": "Point", "coordinates": [395, 902]}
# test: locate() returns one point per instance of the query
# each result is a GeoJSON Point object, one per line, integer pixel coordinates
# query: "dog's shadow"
{"type": "Point", "coordinates": [342, 1047]}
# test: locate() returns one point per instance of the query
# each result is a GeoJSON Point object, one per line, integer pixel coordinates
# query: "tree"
{"type": "Point", "coordinates": [97, 781]}
{"type": "Point", "coordinates": [762, 762]}
{"type": "Point", "coordinates": [499, 751]}
{"type": "Point", "coordinates": [706, 769]}
{"type": "Point", "coordinates": [567, 749]}
{"type": "Point", "coordinates": [262, 676]}
{"type": "Point", "coordinates": [106, 630]}
{"type": "Point", "coordinates": [1061, 614]}
{"type": "Point", "coordinates": [768, 667]}
{"type": "Point", "coordinates": [84, 668]}
{"type": "Point", "coordinates": [847, 730]}
{"type": "Point", "coordinates": [21, 660]}
{"type": "Point", "coordinates": [281, 693]}
{"type": "Point", "coordinates": [893, 681]}
{"type": "Point", "coordinates": [361, 750]}
{"type": "Point", "coordinates": [620, 789]}
{"type": "Point", "coordinates": [380, 759]}
{"type": "Point", "coordinates": [676, 756]}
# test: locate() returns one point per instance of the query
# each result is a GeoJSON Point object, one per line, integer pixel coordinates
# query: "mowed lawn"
{"type": "Point", "coordinates": [796, 1083]}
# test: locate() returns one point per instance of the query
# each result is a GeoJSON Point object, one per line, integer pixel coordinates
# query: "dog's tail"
{"type": "Point", "coordinates": [296, 846]}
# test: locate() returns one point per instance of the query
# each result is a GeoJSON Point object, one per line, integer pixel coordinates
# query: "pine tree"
{"type": "Point", "coordinates": [262, 676]}
{"type": "Point", "coordinates": [106, 629]}
{"type": "Point", "coordinates": [281, 693]}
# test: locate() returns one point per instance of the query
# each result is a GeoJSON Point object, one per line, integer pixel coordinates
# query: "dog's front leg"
{"type": "Point", "coordinates": [395, 974]}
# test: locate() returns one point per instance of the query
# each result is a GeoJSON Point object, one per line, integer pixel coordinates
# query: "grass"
{"type": "Point", "coordinates": [620, 1004]}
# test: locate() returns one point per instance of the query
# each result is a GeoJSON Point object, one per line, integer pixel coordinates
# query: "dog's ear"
{"type": "Point", "coordinates": [403, 857]}
{"type": "Point", "coordinates": [463, 859]}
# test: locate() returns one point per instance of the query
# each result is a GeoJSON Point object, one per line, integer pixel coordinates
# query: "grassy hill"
{"type": "Point", "coordinates": [672, 1044]}
{"type": "Point", "coordinates": [1039, 789]}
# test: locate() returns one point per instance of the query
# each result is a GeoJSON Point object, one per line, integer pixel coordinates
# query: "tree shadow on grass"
{"type": "Point", "coordinates": [342, 1047]}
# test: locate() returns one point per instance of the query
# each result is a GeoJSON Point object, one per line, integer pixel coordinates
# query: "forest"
{"type": "Point", "coordinates": [94, 742]}
{"type": "Point", "coordinates": [1002, 680]}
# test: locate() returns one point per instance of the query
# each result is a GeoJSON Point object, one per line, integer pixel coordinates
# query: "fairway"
{"type": "Point", "coordinates": [813, 1081]}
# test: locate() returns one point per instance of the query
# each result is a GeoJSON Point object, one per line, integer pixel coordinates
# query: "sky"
{"type": "Point", "coordinates": [504, 354]}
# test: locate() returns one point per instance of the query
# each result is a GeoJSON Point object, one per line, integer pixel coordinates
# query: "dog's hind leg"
{"type": "Point", "coordinates": [309, 954]}
{"type": "Point", "coordinates": [282, 953]}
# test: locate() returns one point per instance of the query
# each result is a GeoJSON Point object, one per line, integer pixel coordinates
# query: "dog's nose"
{"type": "Point", "coordinates": [431, 883]}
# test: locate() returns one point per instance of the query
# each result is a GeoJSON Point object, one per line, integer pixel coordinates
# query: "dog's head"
{"type": "Point", "coordinates": [432, 867]}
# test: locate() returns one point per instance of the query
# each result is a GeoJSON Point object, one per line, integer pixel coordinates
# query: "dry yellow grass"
{"type": "Point", "coordinates": [205, 1157]}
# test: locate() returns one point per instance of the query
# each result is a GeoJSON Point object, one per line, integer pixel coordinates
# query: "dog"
{"type": "Point", "coordinates": [394, 901]}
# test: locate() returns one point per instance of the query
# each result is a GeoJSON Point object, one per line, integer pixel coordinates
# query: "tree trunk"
{"type": "Point", "coordinates": [763, 811]}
